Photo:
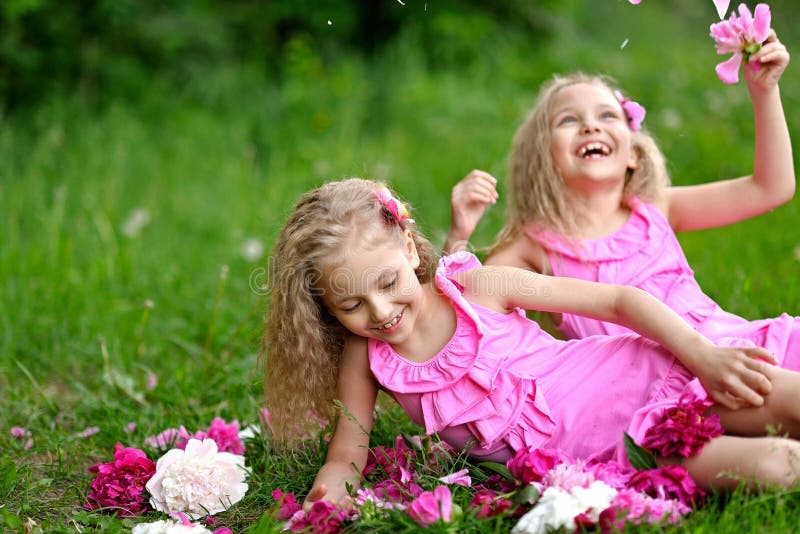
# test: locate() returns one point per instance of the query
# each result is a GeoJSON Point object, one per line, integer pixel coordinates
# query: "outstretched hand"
{"type": "Point", "coordinates": [736, 377]}
{"type": "Point", "coordinates": [320, 493]}
{"type": "Point", "coordinates": [773, 59]}
{"type": "Point", "coordinates": [469, 199]}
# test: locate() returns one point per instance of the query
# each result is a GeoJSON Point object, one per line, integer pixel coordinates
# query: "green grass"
{"type": "Point", "coordinates": [218, 163]}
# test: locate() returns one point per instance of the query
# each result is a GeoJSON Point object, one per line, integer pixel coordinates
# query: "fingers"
{"type": "Point", "coordinates": [477, 185]}
{"type": "Point", "coordinates": [316, 494]}
{"type": "Point", "coordinates": [758, 354]}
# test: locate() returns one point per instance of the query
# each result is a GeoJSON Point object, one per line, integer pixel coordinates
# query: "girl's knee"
{"type": "Point", "coordinates": [779, 464]}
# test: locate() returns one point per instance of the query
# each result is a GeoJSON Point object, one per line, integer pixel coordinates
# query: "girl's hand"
{"type": "Point", "coordinates": [469, 199]}
{"type": "Point", "coordinates": [321, 493]}
{"type": "Point", "coordinates": [773, 58]}
{"type": "Point", "coordinates": [735, 377]}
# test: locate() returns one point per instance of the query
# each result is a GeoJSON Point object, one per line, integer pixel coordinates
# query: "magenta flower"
{"type": "Point", "coordinates": [683, 429]}
{"type": "Point", "coordinates": [612, 473]}
{"type": "Point", "coordinates": [742, 35]}
{"type": "Point", "coordinates": [531, 464]}
{"type": "Point", "coordinates": [668, 482]}
{"type": "Point", "coordinates": [634, 111]}
{"type": "Point", "coordinates": [430, 507]}
{"type": "Point", "coordinates": [489, 504]}
{"type": "Point", "coordinates": [119, 484]}
{"type": "Point", "coordinates": [225, 435]}
{"type": "Point", "coordinates": [287, 502]}
{"type": "Point", "coordinates": [323, 518]}
{"type": "Point", "coordinates": [396, 463]}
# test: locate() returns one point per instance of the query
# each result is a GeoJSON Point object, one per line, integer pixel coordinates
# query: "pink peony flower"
{"type": "Point", "coordinates": [634, 111]}
{"type": "Point", "coordinates": [531, 464]}
{"type": "Point", "coordinates": [668, 482]}
{"type": "Point", "coordinates": [683, 429]}
{"type": "Point", "coordinates": [168, 439]}
{"type": "Point", "coordinates": [199, 481]}
{"type": "Point", "coordinates": [287, 502]}
{"type": "Point", "coordinates": [742, 35]}
{"type": "Point", "coordinates": [461, 478]}
{"type": "Point", "coordinates": [323, 518]}
{"type": "Point", "coordinates": [630, 506]}
{"type": "Point", "coordinates": [567, 476]}
{"type": "Point", "coordinates": [120, 484]}
{"type": "Point", "coordinates": [489, 504]}
{"type": "Point", "coordinates": [430, 507]}
{"type": "Point", "coordinates": [225, 435]}
{"type": "Point", "coordinates": [612, 473]}
{"type": "Point", "coordinates": [396, 463]}
{"type": "Point", "coordinates": [396, 491]}
{"type": "Point", "coordinates": [368, 495]}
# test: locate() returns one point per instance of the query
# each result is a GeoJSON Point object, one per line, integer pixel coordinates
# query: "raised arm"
{"type": "Point", "coordinates": [347, 452]}
{"type": "Point", "coordinates": [732, 376]}
{"type": "Point", "coordinates": [772, 182]}
{"type": "Point", "coordinates": [468, 202]}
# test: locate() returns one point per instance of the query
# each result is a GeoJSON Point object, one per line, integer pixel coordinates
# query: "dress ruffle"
{"type": "Point", "coordinates": [622, 244]}
{"type": "Point", "coordinates": [455, 386]}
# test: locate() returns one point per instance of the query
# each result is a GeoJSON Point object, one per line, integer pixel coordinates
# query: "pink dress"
{"type": "Point", "coordinates": [502, 383]}
{"type": "Point", "coordinates": [645, 253]}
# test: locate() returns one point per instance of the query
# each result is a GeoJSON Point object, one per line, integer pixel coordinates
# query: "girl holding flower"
{"type": "Point", "coordinates": [590, 199]}
{"type": "Point", "coordinates": [360, 303]}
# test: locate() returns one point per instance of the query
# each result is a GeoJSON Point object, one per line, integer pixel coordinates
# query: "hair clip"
{"type": "Point", "coordinates": [395, 207]}
{"type": "Point", "coordinates": [633, 110]}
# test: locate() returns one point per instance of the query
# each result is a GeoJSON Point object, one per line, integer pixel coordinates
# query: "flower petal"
{"type": "Point", "coordinates": [728, 71]}
{"type": "Point", "coordinates": [761, 23]}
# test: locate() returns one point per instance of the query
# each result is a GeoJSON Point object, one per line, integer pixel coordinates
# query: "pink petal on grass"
{"type": "Point", "coordinates": [728, 71]}
{"type": "Point", "coordinates": [722, 7]}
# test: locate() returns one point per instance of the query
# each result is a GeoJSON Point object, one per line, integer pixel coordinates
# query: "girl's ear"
{"type": "Point", "coordinates": [633, 160]}
{"type": "Point", "coordinates": [410, 249]}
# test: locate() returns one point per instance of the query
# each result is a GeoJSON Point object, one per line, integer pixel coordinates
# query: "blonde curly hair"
{"type": "Point", "coordinates": [536, 192]}
{"type": "Point", "coordinates": [302, 343]}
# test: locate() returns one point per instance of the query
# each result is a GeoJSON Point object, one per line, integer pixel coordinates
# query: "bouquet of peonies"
{"type": "Point", "coordinates": [200, 474]}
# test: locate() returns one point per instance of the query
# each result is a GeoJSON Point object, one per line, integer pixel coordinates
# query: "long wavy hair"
{"type": "Point", "coordinates": [536, 193]}
{"type": "Point", "coordinates": [302, 344]}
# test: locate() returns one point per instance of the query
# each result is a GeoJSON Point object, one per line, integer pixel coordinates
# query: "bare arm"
{"type": "Point", "coordinates": [773, 180]}
{"type": "Point", "coordinates": [468, 202]}
{"type": "Point", "coordinates": [347, 453]}
{"type": "Point", "coordinates": [732, 376]}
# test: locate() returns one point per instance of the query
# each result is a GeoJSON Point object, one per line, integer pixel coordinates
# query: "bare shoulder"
{"type": "Point", "coordinates": [522, 252]}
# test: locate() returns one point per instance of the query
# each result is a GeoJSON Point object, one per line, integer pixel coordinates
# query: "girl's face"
{"type": "Point", "coordinates": [591, 143]}
{"type": "Point", "coordinates": [373, 291]}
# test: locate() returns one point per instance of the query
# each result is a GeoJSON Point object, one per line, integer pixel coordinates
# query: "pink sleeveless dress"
{"type": "Point", "coordinates": [502, 383]}
{"type": "Point", "coordinates": [645, 253]}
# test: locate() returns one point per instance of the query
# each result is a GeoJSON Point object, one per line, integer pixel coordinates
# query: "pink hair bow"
{"type": "Point", "coordinates": [633, 110]}
{"type": "Point", "coordinates": [394, 206]}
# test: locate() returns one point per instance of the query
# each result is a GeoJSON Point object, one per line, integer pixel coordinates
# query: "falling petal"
{"type": "Point", "coordinates": [624, 43]}
{"type": "Point", "coordinates": [138, 219]}
{"type": "Point", "coordinates": [728, 71]}
{"type": "Point", "coordinates": [722, 7]}
{"type": "Point", "coordinates": [252, 249]}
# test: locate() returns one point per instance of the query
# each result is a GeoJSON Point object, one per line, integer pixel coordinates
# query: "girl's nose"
{"type": "Point", "coordinates": [589, 125]}
{"type": "Point", "coordinates": [381, 310]}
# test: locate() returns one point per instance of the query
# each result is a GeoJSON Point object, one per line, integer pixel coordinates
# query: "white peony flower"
{"type": "Point", "coordinates": [558, 508]}
{"type": "Point", "coordinates": [169, 527]}
{"type": "Point", "coordinates": [198, 481]}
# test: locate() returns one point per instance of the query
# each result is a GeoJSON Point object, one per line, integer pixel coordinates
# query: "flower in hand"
{"type": "Point", "coordinates": [743, 35]}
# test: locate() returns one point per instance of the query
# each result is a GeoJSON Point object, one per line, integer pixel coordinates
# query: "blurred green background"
{"type": "Point", "coordinates": [150, 150]}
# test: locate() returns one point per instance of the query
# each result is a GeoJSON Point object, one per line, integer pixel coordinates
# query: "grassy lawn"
{"type": "Point", "coordinates": [134, 234]}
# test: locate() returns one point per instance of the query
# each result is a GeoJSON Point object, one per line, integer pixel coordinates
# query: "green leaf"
{"type": "Point", "coordinates": [526, 495]}
{"type": "Point", "coordinates": [497, 468]}
{"type": "Point", "coordinates": [639, 457]}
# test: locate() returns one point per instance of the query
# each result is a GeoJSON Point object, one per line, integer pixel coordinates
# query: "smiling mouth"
{"type": "Point", "coordinates": [593, 150]}
{"type": "Point", "coordinates": [391, 324]}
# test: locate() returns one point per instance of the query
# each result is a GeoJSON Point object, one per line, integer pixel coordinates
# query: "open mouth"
{"type": "Point", "coordinates": [594, 150]}
{"type": "Point", "coordinates": [391, 324]}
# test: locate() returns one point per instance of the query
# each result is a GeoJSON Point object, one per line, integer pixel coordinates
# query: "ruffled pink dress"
{"type": "Point", "coordinates": [645, 253]}
{"type": "Point", "coordinates": [502, 383]}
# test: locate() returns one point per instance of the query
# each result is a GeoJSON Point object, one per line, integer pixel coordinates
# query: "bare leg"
{"type": "Point", "coordinates": [781, 409]}
{"type": "Point", "coordinates": [726, 461]}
